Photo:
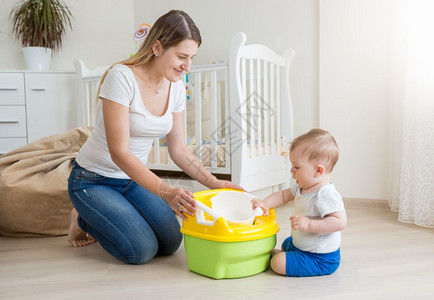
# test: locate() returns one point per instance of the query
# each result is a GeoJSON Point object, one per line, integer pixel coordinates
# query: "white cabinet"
{"type": "Point", "coordinates": [13, 128]}
{"type": "Point", "coordinates": [34, 105]}
{"type": "Point", "coordinates": [51, 104]}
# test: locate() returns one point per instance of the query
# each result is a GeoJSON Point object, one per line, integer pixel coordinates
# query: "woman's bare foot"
{"type": "Point", "coordinates": [76, 236]}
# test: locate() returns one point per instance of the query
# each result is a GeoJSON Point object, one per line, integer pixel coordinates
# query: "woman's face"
{"type": "Point", "coordinates": [175, 60]}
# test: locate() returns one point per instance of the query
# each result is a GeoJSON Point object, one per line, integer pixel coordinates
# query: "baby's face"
{"type": "Point", "coordinates": [302, 170]}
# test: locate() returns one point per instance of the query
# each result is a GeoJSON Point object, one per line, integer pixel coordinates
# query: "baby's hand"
{"type": "Point", "coordinates": [300, 223]}
{"type": "Point", "coordinates": [259, 203]}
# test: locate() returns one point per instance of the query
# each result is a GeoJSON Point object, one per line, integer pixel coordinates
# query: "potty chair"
{"type": "Point", "coordinates": [226, 238]}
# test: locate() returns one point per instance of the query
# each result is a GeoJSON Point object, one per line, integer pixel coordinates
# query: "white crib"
{"type": "Point", "coordinates": [238, 116]}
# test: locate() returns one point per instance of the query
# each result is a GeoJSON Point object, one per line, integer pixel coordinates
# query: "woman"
{"type": "Point", "coordinates": [117, 200]}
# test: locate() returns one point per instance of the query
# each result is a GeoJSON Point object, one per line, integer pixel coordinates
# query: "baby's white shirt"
{"type": "Point", "coordinates": [315, 206]}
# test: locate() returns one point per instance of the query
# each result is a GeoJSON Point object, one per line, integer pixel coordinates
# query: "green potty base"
{"type": "Point", "coordinates": [228, 259]}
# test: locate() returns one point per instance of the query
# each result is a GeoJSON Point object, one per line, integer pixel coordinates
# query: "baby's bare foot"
{"type": "Point", "coordinates": [76, 236]}
{"type": "Point", "coordinates": [275, 251]}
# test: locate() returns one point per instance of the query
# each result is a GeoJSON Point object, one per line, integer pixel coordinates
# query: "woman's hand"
{"type": "Point", "coordinates": [224, 184]}
{"type": "Point", "coordinates": [180, 200]}
{"type": "Point", "coordinates": [259, 203]}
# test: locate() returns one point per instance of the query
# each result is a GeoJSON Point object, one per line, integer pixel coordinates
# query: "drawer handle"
{"type": "Point", "coordinates": [7, 122]}
{"type": "Point", "coordinates": [8, 89]}
{"type": "Point", "coordinates": [38, 89]}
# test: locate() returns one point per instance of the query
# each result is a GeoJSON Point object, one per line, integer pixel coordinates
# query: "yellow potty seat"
{"type": "Point", "coordinates": [220, 249]}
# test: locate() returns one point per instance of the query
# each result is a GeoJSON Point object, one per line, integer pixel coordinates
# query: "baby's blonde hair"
{"type": "Point", "coordinates": [320, 147]}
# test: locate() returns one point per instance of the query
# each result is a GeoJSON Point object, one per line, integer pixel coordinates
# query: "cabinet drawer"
{"type": "Point", "coordinates": [9, 144]}
{"type": "Point", "coordinates": [12, 89]}
{"type": "Point", "coordinates": [13, 121]}
{"type": "Point", "coordinates": [51, 104]}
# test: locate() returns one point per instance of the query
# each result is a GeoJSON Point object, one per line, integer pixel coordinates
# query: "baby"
{"type": "Point", "coordinates": [313, 249]}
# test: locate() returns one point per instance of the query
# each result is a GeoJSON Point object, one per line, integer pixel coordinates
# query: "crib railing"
{"type": "Point", "coordinates": [260, 99]}
{"type": "Point", "coordinates": [236, 116]}
{"type": "Point", "coordinates": [90, 103]}
{"type": "Point", "coordinates": [261, 92]}
{"type": "Point", "coordinates": [206, 115]}
{"type": "Point", "coordinates": [211, 144]}
{"type": "Point", "coordinates": [89, 78]}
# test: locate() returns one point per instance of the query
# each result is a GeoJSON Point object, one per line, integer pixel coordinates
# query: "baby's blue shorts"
{"type": "Point", "coordinates": [303, 263]}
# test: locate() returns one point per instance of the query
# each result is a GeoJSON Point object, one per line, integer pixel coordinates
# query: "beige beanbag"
{"type": "Point", "coordinates": [34, 197]}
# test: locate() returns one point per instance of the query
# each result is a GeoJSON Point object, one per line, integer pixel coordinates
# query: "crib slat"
{"type": "Point", "coordinates": [243, 79]}
{"type": "Point", "coordinates": [278, 93]}
{"type": "Point", "coordinates": [157, 151]}
{"type": "Point", "coordinates": [258, 105]}
{"type": "Point", "coordinates": [228, 164]}
{"type": "Point", "coordinates": [219, 104]}
{"type": "Point", "coordinates": [184, 78]}
{"type": "Point", "coordinates": [243, 88]}
{"type": "Point", "coordinates": [89, 87]}
{"type": "Point", "coordinates": [266, 109]}
{"type": "Point", "coordinates": [253, 151]}
{"type": "Point", "coordinates": [87, 104]}
{"type": "Point", "coordinates": [95, 100]}
{"type": "Point", "coordinates": [198, 113]}
{"type": "Point", "coordinates": [213, 78]}
{"type": "Point", "coordinates": [274, 109]}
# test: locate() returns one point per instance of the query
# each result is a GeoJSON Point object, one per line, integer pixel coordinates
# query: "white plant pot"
{"type": "Point", "coordinates": [37, 58]}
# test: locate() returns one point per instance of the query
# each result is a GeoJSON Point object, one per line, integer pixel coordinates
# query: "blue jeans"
{"type": "Point", "coordinates": [129, 222]}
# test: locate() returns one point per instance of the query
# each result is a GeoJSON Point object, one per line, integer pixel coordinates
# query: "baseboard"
{"type": "Point", "coordinates": [366, 203]}
{"type": "Point", "coordinates": [180, 179]}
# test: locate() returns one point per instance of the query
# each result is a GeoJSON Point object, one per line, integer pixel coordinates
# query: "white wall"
{"type": "Point", "coordinates": [281, 24]}
{"type": "Point", "coordinates": [355, 39]}
{"type": "Point", "coordinates": [344, 43]}
{"type": "Point", "coordinates": [102, 34]}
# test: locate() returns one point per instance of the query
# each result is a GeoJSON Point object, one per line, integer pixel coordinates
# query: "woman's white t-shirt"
{"type": "Point", "coordinates": [121, 87]}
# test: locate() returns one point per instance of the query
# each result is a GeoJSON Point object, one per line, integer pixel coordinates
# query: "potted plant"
{"type": "Point", "coordinates": [40, 25]}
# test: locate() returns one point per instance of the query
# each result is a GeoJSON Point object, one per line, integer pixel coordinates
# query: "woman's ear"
{"type": "Point", "coordinates": [156, 48]}
{"type": "Point", "coordinates": [319, 170]}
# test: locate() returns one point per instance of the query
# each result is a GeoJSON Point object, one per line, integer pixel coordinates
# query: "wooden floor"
{"type": "Point", "coordinates": [381, 259]}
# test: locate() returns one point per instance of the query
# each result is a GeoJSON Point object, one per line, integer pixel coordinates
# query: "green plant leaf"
{"type": "Point", "coordinates": [41, 23]}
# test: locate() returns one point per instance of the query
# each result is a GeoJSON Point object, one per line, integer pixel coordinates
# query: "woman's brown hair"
{"type": "Point", "coordinates": [170, 29]}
